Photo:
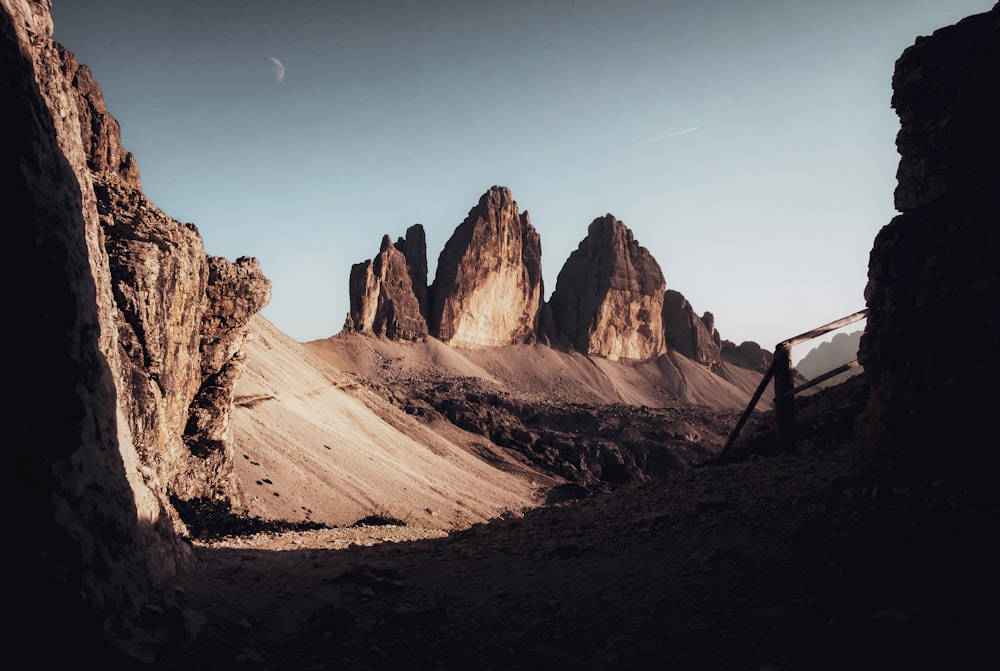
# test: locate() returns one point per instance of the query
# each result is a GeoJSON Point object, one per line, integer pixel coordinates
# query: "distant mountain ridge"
{"type": "Point", "coordinates": [826, 356]}
{"type": "Point", "coordinates": [610, 299]}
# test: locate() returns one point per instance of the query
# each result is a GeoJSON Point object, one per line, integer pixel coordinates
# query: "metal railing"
{"type": "Point", "coordinates": [785, 390]}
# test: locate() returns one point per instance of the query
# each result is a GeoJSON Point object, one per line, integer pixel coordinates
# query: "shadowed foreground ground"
{"type": "Point", "coordinates": [772, 563]}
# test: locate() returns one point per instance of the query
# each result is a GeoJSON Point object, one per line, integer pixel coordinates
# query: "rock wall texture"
{"type": "Point", "coordinates": [132, 346]}
{"type": "Point", "coordinates": [931, 346]}
{"type": "Point", "coordinates": [181, 319]}
{"type": "Point", "coordinates": [488, 289]}
{"type": "Point", "coordinates": [608, 299]}
{"type": "Point", "coordinates": [389, 294]}
{"type": "Point", "coordinates": [81, 558]}
{"type": "Point", "coordinates": [688, 334]}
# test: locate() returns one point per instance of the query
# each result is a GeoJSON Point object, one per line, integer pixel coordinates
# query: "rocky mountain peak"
{"type": "Point", "coordinates": [389, 293]}
{"type": "Point", "coordinates": [488, 287]}
{"type": "Point", "coordinates": [100, 131]}
{"type": "Point", "coordinates": [688, 334]}
{"type": "Point", "coordinates": [609, 295]}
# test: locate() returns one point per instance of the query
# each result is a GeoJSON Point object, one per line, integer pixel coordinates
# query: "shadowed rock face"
{"type": "Point", "coordinates": [488, 288]}
{"type": "Point", "coordinates": [609, 295]}
{"type": "Point", "coordinates": [135, 332]}
{"type": "Point", "coordinates": [688, 334]}
{"type": "Point", "coordinates": [389, 293]}
{"type": "Point", "coordinates": [84, 563]}
{"type": "Point", "coordinates": [936, 266]}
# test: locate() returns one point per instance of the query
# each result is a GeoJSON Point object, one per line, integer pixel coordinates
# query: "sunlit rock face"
{"type": "Point", "coordinates": [488, 288]}
{"type": "Point", "coordinates": [609, 295]}
{"type": "Point", "coordinates": [688, 334]}
{"type": "Point", "coordinates": [101, 134]}
{"type": "Point", "coordinates": [936, 267]}
{"type": "Point", "coordinates": [181, 319]}
{"type": "Point", "coordinates": [235, 292]}
{"type": "Point", "coordinates": [389, 293]}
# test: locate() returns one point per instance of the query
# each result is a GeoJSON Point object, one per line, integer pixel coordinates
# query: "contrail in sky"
{"type": "Point", "coordinates": [664, 137]}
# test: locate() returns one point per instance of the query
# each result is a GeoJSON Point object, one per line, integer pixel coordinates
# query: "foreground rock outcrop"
{"type": "Point", "coordinates": [936, 267]}
{"type": "Point", "coordinates": [84, 562]}
{"type": "Point", "coordinates": [136, 336]}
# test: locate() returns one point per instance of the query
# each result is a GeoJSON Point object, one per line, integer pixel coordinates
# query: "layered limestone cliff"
{"type": "Point", "coordinates": [389, 293]}
{"type": "Point", "coordinates": [608, 299]}
{"type": "Point", "coordinates": [134, 344]}
{"type": "Point", "coordinates": [931, 346]}
{"type": "Point", "coordinates": [488, 289]}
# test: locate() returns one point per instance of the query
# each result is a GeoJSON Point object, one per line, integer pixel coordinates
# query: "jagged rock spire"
{"type": "Point", "coordinates": [488, 287]}
{"type": "Point", "coordinates": [609, 295]}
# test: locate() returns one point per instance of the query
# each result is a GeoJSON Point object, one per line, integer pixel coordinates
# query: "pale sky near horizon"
{"type": "Point", "coordinates": [748, 145]}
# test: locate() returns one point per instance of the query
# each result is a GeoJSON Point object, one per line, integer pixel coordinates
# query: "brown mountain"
{"type": "Point", "coordinates": [136, 335]}
{"type": "Point", "coordinates": [610, 299]}
{"type": "Point", "coordinates": [488, 289]}
{"type": "Point", "coordinates": [609, 295]}
{"type": "Point", "coordinates": [389, 294]}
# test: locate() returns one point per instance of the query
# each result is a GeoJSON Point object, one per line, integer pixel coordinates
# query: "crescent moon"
{"type": "Point", "coordinates": [277, 69]}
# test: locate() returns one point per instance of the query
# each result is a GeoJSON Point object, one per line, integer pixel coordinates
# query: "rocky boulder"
{"type": "Point", "coordinates": [488, 288]}
{"type": "Point", "coordinates": [688, 334]}
{"type": "Point", "coordinates": [608, 299]}
{"type": "Point", "coordinates": [389, 294]}
{"type": "Point", "coordinates": [931, 346]}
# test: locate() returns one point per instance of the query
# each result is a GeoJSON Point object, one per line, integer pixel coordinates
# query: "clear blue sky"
{"type": "Point", "coordinates": [395, 113]}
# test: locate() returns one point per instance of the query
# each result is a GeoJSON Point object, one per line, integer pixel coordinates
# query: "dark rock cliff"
{"type": "Point", "coordinates": [688, 334]}
{"type": "Point", "coordinates": [931, 347]}
{"type": "Point", "coordinates": [181, 318]}
{"type": "Point", "coordinates": [134, 345]}
{"type": "Point", "coordinates": [389, 294]}
{"type": "Point", "coordinates": [609, 295]}
{"type": "Point", "coordinates": [82, 560]}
